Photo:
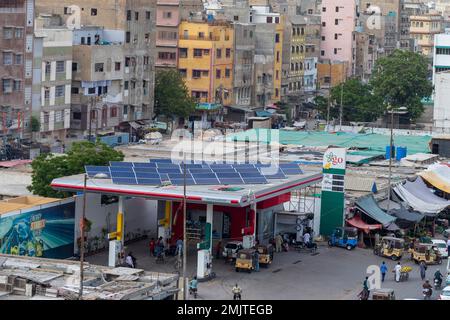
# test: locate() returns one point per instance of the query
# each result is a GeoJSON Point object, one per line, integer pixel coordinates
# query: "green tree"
{"type": "Point", "coordinates": [359, 104]}
{"type": "Point", "coordinates": [321, 103]}
{"type": "Point", "coordinates": [47, 166]}
{"type": "Point", "coordinates": [401, 80]}
{"type": "Point", "coordinates": [172, 98]}
{"type": "Point", "coordinates": [35, 125]}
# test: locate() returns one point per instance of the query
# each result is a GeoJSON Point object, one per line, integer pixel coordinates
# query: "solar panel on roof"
{"type": "Point", "coordinates": [149, 170]}
{"type": "Point", "coordinates": [147, 175]}
{"type": "Point", "coordinates": [276, 175]}
{"type": "Point", "coordinates": [120, 180]}
{"type": "Point", "coordinates": [221, 166]}
{"type": "Point", "coordinates": [204, 175]}
{"type": "Point", "coordinates": [200, 170]}
{"type": "Point", "coordinates": [192, 166]}
{"type": "Point", "coordinates": [168, 165]}
{"type": "Point", "coordinates": [206, 181]}
{"type": "Point", "coordinates": [290, 172]}
{"type": "Point", "coordinates": [164, 177]}
{"type": "Point", "coordinates": [251, 174]}
{"type": "Point", "coordinates": [123, 174]}
{"type": "Point", "coordinates": [121, 169]}
{"type": "Point", "coordinates": [160, 161]}
{"type": "Point", "coordinates": [144, 165]}
{"type": "Point", "coordinates": [244, 165]}
{"type": "Point", "coordinates": [121, 164]}
{"type": "Point", "coordinates": [289, 165]}
{"type": "Point", "coordinates": [180, 182]}
{"type": "Point", "coordinates": [149, 181]}
{"type": "Point", "coordinates": [255, 180]}
{"type": "Point", "coordinates": [169, 170]}
{"type": "Point", "coordinates": [94, 170]}
{"type": "Point", "coordinates": [231, 181]}
{"type": "Point", "coordinates": [247, 170]}
{"type": "Point", "coordinates": [228, 175]}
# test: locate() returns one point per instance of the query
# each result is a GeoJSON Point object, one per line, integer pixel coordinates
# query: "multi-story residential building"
{"type": "Point", "coordinates": [268, 55]}
{"type": "Point", "coordinates": [441, 53]}
{"type": "Point", "coordinates": [441, 109]}
{"type": "Point", "coordinates": [167, 22]}
{"type": "Point", "coordinates": [366, 55]}
{"type": "Point", "coordinates": [52, 80]}
{"type": "Point", "coordinates": [312, 55]}
{"type": "Point", "coordinates": [294, 48]}
{"type": "Point", "coordinates": [338, 27]}
{"type": "Point", "coordinates": [424, 28]}
{"type": "Point", "coordinates": [16, 64]}
{"type": "Point", "coordinates": [206, 58]}
{"type": "Point", "coordinates": [136, 21]}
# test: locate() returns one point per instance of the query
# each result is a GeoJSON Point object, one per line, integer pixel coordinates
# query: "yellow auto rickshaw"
{"type": "Point", "coordinates": [390, 247]}
{"type": "Point", "coordinates": [383, 294]}
{"type": "Point", "coordinates": [245, 260]}
{"type": "Point", "coordinates": [265, 254]}
{"type": "Point", "coordinates": [426, 252]}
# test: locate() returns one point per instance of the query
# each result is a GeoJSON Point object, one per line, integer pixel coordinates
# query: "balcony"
{"type": "Point", "coordinates": [205, 38]}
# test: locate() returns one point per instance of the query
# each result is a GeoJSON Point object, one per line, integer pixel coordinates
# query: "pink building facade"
{"type": "Point", "coordinates": [167, 22]}
{"type": "Point", "coordinates": [339, 19]}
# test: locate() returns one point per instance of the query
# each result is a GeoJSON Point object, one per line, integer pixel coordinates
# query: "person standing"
{"type": "Point", "coordinates": [278, 242]}
{"type": "Point", "coordinates": [257, 261]}
{"type": "Point", "coordinates": [423, 269]}
{"type": "Point", "coordinates": [152, 247]}
{"type": "Point", "coordinates": [129, 260]}
{"type": "Point", "coordinates": [383, 269]}
{"type": "Point", "coordinates": [398, 272]}
{"type": "Point", "coordinates": [179, 244]}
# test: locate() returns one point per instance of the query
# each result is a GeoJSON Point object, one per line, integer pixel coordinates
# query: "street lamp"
{"type": "Point", "coordinates": [83, 218]}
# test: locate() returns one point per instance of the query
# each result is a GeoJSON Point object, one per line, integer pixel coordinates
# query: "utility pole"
{"type": "Point", "coordinates": [90, 105]}
{"type": "Point", "coordinates": [390, 160]}
{"type": "Point", "coordinates": [341, 109]}
{"type": "Point", "coordinates": [82, 240]}
{"type": "Point", "coordinates": [184, 232]}
{"type": "Point", "coordinates": [329, 99]}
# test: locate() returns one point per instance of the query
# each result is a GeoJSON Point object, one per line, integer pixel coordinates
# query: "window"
{"type": "Point", "coordinates": [183, 52]}
{"type": "Point", "coordinates": [60, 66]}
{"type": "Point", "coordinates": [66, 10]}
{"type": "Point", "coordinates": [125, 109]}
{"type": "Point", "coordinates": [77, 116]}
{"type": "Point", "coordinates": [46, 93]}
{"type": "Point", "coordinates": [228, 52]}
{"type": "Point", "coordinates": [146, 60]}
{"type": "Point", "coordinates": [322, 52]}
{"type": "Point", "coordinates": [293, 31]}
{"type": "Point", "coordinates": [198, 53]}
{"type": "Point", "coordinates": [18, 34]}
{"type": "Point", "coordinates": [269, 20]}
{"type": "Point", "coordinates": [113, 112]}
{"type": "Point", "coordinates": [251, 34]}
{"type": "Point", "coordinates": [167, 14]}
{"type": "Point", "coordinates": [182, 72]}
{"type": "Point", "coordinates": [196, 74]}
{"type": "Point", "coordinates": [128, 15]}
{"type": "Point", "coordinates": [219, 53]}
{"type": "Point", "coordinates": [126, 85]}
{"type": "Point", "coordinates": [205, 73]}
{"type": "Point", "coordinates": [7, 33]}
{"type": "Point", "coordinates": [17, 85]}
{"type": "Point", "coordinates": [236, 18]}
{"type": "Point", "coordinates": [136, 16]}
{"type": "Point", "coordinates": [336, 21]}
{"type": "Point", "coordinates": [278, 56]}
{"type": "Point", "coordinates": [324, 9]}
{"type": "Point", "coordinates": [148, 15]}
{"type": "Point", "coordinates": [99, 67]}
{"type": "Point", "coordinates": [277, 75]}
{"type": "Point", "coordinates": [47, 67]}
{"type": "Point", "coordinates": [133, 84]}
{"type": "Point", "coordinates": [117, 66]}
{"type": "Point", "coordinates": [323, 38]}
{"type": "Point", "coordinates": [206, 52]}
{"type": "Point", "coordinates": [93, 12]}
{"type": "Point", "coordinates": [93, 114]}
{"type": "Point", "coordinates": [59, 91]}
{"type": "Point", "coordinates": [75, 66]}
{"type": "Point", "coordinates": [277, 38]}
{"type": "Point", "coordinates": [335, 36]}
{"type": "Point", "coordinates": [337, 9]}
{"type": "Point", "coordinates": [218, 73]}
{"type": "Point", "coordinates": [128, 37]}
{"type": "Point", "coordinates": [75, 90]}
{"type": "Point", "coordinates": [327, 79]}
{"type": "Point", "coordinates": [335, 50]}
{"type": "Point", "coordinates": [227, 73]}
{"type": "Point", "coordinates": [277, 19]}
{"type": "Point", "coordinates": [324, 24]}
{"type": "Point", "coordinates": [7, 58]}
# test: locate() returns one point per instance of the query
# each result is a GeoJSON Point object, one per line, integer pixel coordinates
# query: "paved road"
{"type": "Point", "coordinates": [334, 273]}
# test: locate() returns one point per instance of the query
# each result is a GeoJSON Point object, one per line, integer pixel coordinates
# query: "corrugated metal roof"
{"type": "Point", "coordinates": [356, 183]}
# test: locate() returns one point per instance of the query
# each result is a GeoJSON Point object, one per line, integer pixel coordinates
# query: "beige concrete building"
{"type": "Point", "coordinates": [424, 28]}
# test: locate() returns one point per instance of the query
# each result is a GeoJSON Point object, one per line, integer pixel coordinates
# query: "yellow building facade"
{"type": "Point", "coordinates": [278, 61]}
{"type": "Point", "coordinates": [206, 60]}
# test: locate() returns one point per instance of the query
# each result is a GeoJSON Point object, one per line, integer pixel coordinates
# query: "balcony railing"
{"type": "Point", "coordinates": [205, 38]}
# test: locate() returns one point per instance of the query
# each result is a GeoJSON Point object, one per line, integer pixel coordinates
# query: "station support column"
{"type": "Point", "coordinates": [209, 219]}
{"type": "Point", "coordinates": [255, 220]}
{"type": "Point", "coordinates": [121, 222]}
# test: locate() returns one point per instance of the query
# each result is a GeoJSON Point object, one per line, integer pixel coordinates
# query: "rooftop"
{"type": "Point", "coordinates": [21, 203]}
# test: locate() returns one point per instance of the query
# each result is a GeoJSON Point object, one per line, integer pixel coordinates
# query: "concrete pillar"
{"type": "Point", "coordinates": [209, 219]}
{"type": "Point", "coordinates": [255, 220]}
{"type": "Point", "coordinates": [121, 222]}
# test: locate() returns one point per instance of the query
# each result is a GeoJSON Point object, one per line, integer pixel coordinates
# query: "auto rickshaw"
{"type": "Point", "coordinates": [245, 260]}
{"type": "Point", "coordinates": [383, 294]}
{"type": "Point", "coordinates": [265, 254]}
{"type": "Point", "coordinates": [390, 247]}
{"type": "Point", "coordinates": [426, 252]}
{"type": "Point", "coordinates": [344, 237]}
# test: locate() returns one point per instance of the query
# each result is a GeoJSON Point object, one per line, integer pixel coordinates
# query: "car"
{"type": "Point", "coordinates": [446, 233]}
{"type": "Point", "coordinates": [442, 247]}
{"type": "Point", "coordinates": [445, 294]}
{"type": "Point", "coordinates": [231, 249]}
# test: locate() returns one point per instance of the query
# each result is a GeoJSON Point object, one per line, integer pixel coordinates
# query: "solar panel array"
{"type": "Point", "coordinates": [159, 171]}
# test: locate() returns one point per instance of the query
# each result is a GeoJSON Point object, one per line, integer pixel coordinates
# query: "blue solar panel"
{"type": "Point", "coordinates": [169, 170]}
{"type": "Point", "coordinates": [120, 180]}
{"type": "Point", "coordinates": [198, 170]}
{"type": "Point", "coordinates": [123, 174]}
{"type": "Point", "coordinates": [225, 170]}
{"type": "Point", "coordinates": [276, 175]}
{"type": "Point", "coordinates": [121, 169]}
{"type": "Point", "coordinates": [204, 176]}
{"type": "Point", "coordinates": [247, 170]}
{"type": "Point", "coordinates": [290, 172]}
{"type": "Point", "coordinates": [244, 165]}
{"type": "Point", "coordinates": [221, 175]}
{"type": "Point", "coordinates": [148, 170]}
{"type": "Point", "coordinates": [149, 182]}
{"type": "Point", "coordinates": [289, 165]}
{"type": "Point", "coordinates": [168, 165]}
{"type": "Point", "coordinates": [93, 170]}
{"type": "Point", "coordinates": [180, 182]}
{"type": "Point", "coordinates": [164, 177]}
{"type": "Point", "coordinates": [160, 161]}
{"type": "Point", "coordinates": [144, 165]}
{"type": "Point", "coordinates": [121, 164]}
{"type": "Point", "coordinates": [206, 181]}
{"type": "Point", "coordinates": [221, 166]}
{"type": "Point", "coordinates": [254, 180]}
{"type": "Point", "coordinates": [147, 175]}
{"type": "Point", "coordinates": [192, 166]}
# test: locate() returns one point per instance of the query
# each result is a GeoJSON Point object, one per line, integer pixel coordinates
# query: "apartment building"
{"type": "Point", "coordinates": [16, 64]}
{"type": "Point", "coordinates": [312, 55]}
{"type": "Point", "coordinates": [441, 53]}
{"type": "Point", "coordinates": [167, 22]}
{"type": "Point", "coordinates": [424, 28]}
{"type": "Point", "coordinates": [339, 20]}
{"type": "Point", "coordinates": [366, 55]}
{"type": "Point", "coordinates": [206, 57]}
{"type": "Point", "coordinates": [52, 80]}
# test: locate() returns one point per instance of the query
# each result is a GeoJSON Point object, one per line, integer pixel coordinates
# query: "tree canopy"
{"type": "Point", "coordinates": [172, 98]}
{"type": "Point", "coordinates": [47, 166]}
{"type": "Point", "coordinates": [401, 80]}
{"type": "Point", "coordinates": [359, 104]}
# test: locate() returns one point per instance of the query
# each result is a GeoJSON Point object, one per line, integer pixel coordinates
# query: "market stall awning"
{"type": "Point", "coordinates": [263, 113]}
{"type": "Point", "coordinates": [436, 180]}
{"type": "Point", "coordinates": [368, 205]}
{"type": "Point", "coordinates": [404, 214]}
{"type": "Point", "coordinates": [361, 225]}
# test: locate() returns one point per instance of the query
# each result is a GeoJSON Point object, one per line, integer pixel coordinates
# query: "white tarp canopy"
{"type": "Point", "coordinates": [419, 197]}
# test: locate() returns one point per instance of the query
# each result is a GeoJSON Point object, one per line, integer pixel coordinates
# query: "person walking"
{"type": "Point", "coordinates": [129, 260]}
{"type": "Point", "coordinates": [423, 269]}
{"type": "Point", "coordinates": [257, 261]}
{"type": "Point", "coordinates": [179, 250]}
{"type": "Point", "coordinates": [364, 294]}
{"type": "Point", "coordinates": [383, 269]}
{"type": "Point", "coordinates": [278, 242]}
{"type": "Point", "coordinates": [152, 247]}
{"type": "Point", "coordinates": [398, 272]}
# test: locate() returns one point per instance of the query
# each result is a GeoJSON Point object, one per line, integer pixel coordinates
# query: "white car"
{"type": "Point", "coordinates": [442, 247]}
{"type": "Point", "coordinates": [445, 294]}
{"type": "Point", "coordinates": [231, 249]}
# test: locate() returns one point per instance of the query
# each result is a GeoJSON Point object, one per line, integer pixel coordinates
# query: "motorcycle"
{"type": "Point", "coordinates": [193, 291]}
{"type": "Point", "coordinates": [437, 284]}
{"type": "Point", "coordinates": [237, 296]}
{"type": "Point", "coordinates": [426, 293]}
